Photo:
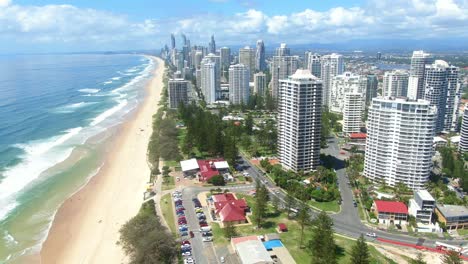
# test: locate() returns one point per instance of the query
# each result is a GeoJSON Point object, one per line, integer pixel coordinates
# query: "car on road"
{"type": "Point", "coordinates": [189, 261]}
{"type": "Point", "coordinates": [207, 239]}
{"type": "Point", "coordinates": [185, 246]}
{"type": "Point", "coordinates": [371, 235]}
{"type": "Point", "coordinates": [183, 233]}
{"type": "Point", "coordinates": [183, 228]}
{"type": "Point", "coordinates": [222, 259]}
{"type": "Point", "coordinates": [205, 234]}
{"type": "Point", "coordinates": [187, 254]}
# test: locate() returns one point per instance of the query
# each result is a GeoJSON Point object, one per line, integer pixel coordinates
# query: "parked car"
{"type": "Point", "coordinates": [185, 242]}
{"type": "Point", "coordinates": [371, 235]}
{"type": "Point", "coordinates": [191, 234]}
{"type": "Point", "coordinates": [207, 239]}
{"type": "Point", "coordinates": [186, 247]}
{"type": "Point", "coordinates": [186, 253]}
{"type": "Point", "coordinates": [183, 229]}
{"type": "Point", "coordinates": [205, 234]}
{"type": "Point", "coordinates": [195, 200]}
{"type": "Point", "coordinates": [203, 225]}
{"type": "Point", "coordinates": [183, 233]}
{"type": "Point", "coordinates": [199, 210]}
{"type": "Point", "coordinates": [189, 261]}
{"type": "Point", "coordinates": [222, 259]}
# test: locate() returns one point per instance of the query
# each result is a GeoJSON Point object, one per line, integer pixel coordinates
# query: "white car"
{"type": "Point", "coordinates": [189, 261]}
{"type": "Point", "coordinates": [187, 254]}
{"type": "Point", "coordinates": [371, 235]}
{"type": "Point", "coordinates": [222, 259]}
{"type": "Point", "coordinates": [207, 239]}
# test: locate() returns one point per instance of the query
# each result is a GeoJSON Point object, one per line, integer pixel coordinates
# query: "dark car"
{"type": "Point", "coordinates": [205, 234]}
{"type": "Point", "coordinates": [203, 224]}
{"type": "Point", "coordinates": [195, 200]}
{"type": "Point", "coordinates": [183, 233]}
{"type": "Point", "coordinates": [191, 234]}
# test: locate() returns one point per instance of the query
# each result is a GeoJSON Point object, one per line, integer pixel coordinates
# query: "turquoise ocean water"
{"type": "Point", "coordinates": [50, 107]}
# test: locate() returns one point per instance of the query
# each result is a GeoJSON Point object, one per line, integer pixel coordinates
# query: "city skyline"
{"type": "Point", "coordinates": [62, 26]}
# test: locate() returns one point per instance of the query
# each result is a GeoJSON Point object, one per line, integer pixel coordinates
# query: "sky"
{"type": "Point", "coordinates": [28, 26]}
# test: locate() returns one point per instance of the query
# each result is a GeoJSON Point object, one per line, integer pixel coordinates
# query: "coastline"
{"type": "Point", "coordinates": [85, 228]}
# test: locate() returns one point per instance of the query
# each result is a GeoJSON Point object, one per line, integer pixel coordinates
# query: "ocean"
{"type": "Point", "coordinates": [54, 114]}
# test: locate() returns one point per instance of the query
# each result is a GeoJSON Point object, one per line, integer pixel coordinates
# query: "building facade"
{"type": "Point", "coordinates": [453, 216]}
{"type": "Point", "coordinates": [463, 145]}
{"type": "Point", "coordinates": [343, 84]}
{"type": "Point", "coordinates": [422, 206]}
{"type": "Point", "coordinates": [352, 113]}
{"type": "Point", "coordinates": [313, 64]}
{"type": "Point", "coordinates": [419, 60]}
{"type": "Point", "coordinates": [395, 83]}
{"type": "Point", "coordinates": [260, 83]}
{"type": "Point", "coordinates": [178, 92]}
{"type": "Point", "coordinates": [399, 141]}
{"type": "Point", "coordinates": [281, 68]}
{"type": "Point", "coordinates": [247, 57]}
{"type": "Point", "coordinates": [260, 64]}
{"type": "Point", "coordinates": [299, 121]}
{"type": "Point", "coordinates": [225, 56]}
{"type": "Point", "coordinates": [239, 90]}
{"type": "Point", "coordinates": [332, 65]}
{"type": "Point", "coordinates": [283, 50]}
{"type": "Point", "coordinates": [209, 81]}
{"type": "Point", "coordinates": [371, 87]}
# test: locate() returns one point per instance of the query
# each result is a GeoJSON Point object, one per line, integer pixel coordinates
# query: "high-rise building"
{"type": "Point", "coordinates": [442, 89]}
{"type": "Point", "coordinates": [225, 54]}
{"type": "Point", "coordinates": [313, 64]}
{"type": "Point", "coordinates": [198, 76]}
{"type": "Point", "coordinates": [283, 50]}
{"type": "Point", "coordinates": [178, 92]}
{"type": "Point", "coordinates": [352, 112]}
{"type": "Point", "coordinates": [247, 57]}
{"type": "Point", "coordinates": [379, 55]}
{"type": "Point", "coordinates": [172, 42]}
{"type": "Point", "coordinates": [371, 87]}
{"type": "Point", "coordinates": [212, 45]}
{"type": "Point", "coordinates": [299, 121]}
{"type": "Point", "coordinates": [209, 80]}
{"type": "Point", "coordinates": [400, 135]}
{"type": "Point", "coordinates": [395, 83]}
{"type": "Point", "coordinates": [260, 64]}
{"type": "Point", "coordinates": [419, 60]}
{"type": "Point", "coordinates": [198, 59]}
{"type": "Point", "coordinates": [332, 65]}
{"type": "Point", "coordinates": [463, 145]}
{"type": "Point", "coordinates": [343, 84]}
{"type": "Point", "coordinates": [260, 83]}
{"type": "Point", "coordinates": [282, 67]}
{"type": "Point", "coordinates": [239, 90]}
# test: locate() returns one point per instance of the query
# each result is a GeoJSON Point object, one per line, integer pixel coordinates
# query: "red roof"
{"type": "Point", "coordinates": [391, 207]}
{"type": "Point", "coordinates": [236, 240]}
{"type": "Point", "coordinates": [231, 213]}
{"type": "Point", "coordinates": [241, 204]}
{"type": "Point", "coordinates": [282, 226]}
{"type": "Point", "coordinates": [357, 136]}
{"type": "Point", "coordinates": [207, 169]}
{"type": "Point", "coordinates": [223, 197]}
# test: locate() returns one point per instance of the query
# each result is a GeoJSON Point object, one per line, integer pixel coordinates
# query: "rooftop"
{"type": "Point", "coordinates": [453, 210]}
{"type": "Point", "coordinates": [253, 251]}
{"type": "Point", "coordinates": [357, 136]}
{"type": "Point", "coordinates": [303, 74]}
{"type": "Point", "coordinates": [425, 195]}
{"type": "Point", "coordinates": [188, 165]}
{"type": "Point", "coordinates": [231, 213]}
{"type": "Point", "coordinates": [207, 169]}
{"type": "Point", "coordinates": [391, 207]}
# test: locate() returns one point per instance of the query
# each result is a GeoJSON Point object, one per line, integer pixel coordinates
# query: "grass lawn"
{"type": "Point", "coordinates": [168, 183]}
{"type": "Point", "coordinates": [168, 212]}
{"type": "Point", "coordinates": [332, 206]}
{"type": "Point", "coordinates": [462, 232]}
{"type": "Point", "coordinates": [171, 163]}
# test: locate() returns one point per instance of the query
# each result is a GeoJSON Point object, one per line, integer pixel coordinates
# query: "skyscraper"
{"type": "Point", "coordinates": [442, 89]}
{"type": "Point", "coordinates": [198, 59]}
{"type": "Point", "coordinates": [371, 88]}
{"type": "Point", "coordinates": [172, 42]}
{"type": "Point", "coordinates": [400, 134]}
{"type": "Point", "coordinates": [239, 91]}
{"type": "Point", "coordinates": [247, 57]}
{"type": "Point", "coordinates": [282, 67]}
{"type": "Point", "coordinates": [178, 92]}
{"type": "Point", "coordinates": [343, 84]}
{"type": "Point", "coordinates": [313, 64]}
{"type": "Point", "coordinates": [260, 83]}
{"type": "Point", "coordinates": [353, 107]}
{"type": "Point", "coordinates": [209, 80]}
{"type": "Point", "coordinates": [212, 45]}
{"type": "Point", "coordinates": [260, 56]}
{"type": "Point", "coordinates": [332, 65]}
{"type": "Point", "coordinates": [463, 145]}
{"type": "Point", "coordinates": [225, 54]}
{"type": "Point", "coordinates": [416, 79]}
{"type": "Point", "coordinates": [283, 50]}
{"type": "Point", "coordinates": [395, 83]}
{"type": "Point", "coordinates": [299, 121]}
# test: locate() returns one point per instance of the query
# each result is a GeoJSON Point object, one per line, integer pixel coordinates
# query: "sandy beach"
{"type": "Point", "coordinates": [85, 229]}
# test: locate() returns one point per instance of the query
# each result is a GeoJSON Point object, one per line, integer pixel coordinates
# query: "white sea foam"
{"type": "Point", "coordinates": [107, 82]}
{"type": "Point", "coordinates": [89, 90]}
{"type": "Point", "coordinates": [116, 78]}
{"type": "Point", "coordinates": [108, 113]}
{"type": "Point", "coordinates": [72, 107]}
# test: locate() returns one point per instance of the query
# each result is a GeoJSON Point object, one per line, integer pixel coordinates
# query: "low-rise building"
{"type": "Point", "coordinates": [189, 167]}
{"type": "Point", "coordinates": [251, 251]}
{"type": "Point", "coordinates": [422, 206]}
{"type": "Point", "coordinates": [390, 212]}
{"type": "Point", "coordinates": [228, 208]}
{"type": "Point", "coordinates": [453, 216]}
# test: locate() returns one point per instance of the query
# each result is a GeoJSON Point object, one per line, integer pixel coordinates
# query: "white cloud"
{"type": "Point", "coordinates": [4, 3]}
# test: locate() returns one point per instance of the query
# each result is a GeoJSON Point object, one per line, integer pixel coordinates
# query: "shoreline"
{"type": "Point", "coordinates": [85, 227]}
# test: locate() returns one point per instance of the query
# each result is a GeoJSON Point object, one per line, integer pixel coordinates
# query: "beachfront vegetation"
{"type": "Point", "coordinates": [145, 240]}
{"type": "Point", "coordinates": [217, 180]}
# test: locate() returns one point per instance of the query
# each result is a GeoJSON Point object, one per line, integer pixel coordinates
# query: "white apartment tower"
{"type": "Point", "coordinates": [198, 58]}
{"type": "Point", "coordinates": [399, 141]}
{"type": "Point", "coordinates": [352, 112]}
{"type": "Point", "coordinates": [442, 89]}
{"type": "Point", "coordinates": [463, 145]}
{"type": "Point", "coordinates": [209, 81]}
{"type": "Point", "coordinates": [247, 57]}
{"type": "Point", "coordinates": [343, 84]}
{"type": "Point", "coordinates": [313, 64]}
{"type": "Point", "coordinates": [239, 90]}
{"type": "Point", "coordinates": [419, 60]}
{"type": "Point", "coordinates": [283, 50]}
{"type": "Point", "coordinates": [299, 121]}
{"type": "Point", "coordinates": [178, 92]}
{"type": "Point", "coordinates": [395, 83]}
{"type": "Point", "coordinates": [259, 83]}
{"type": "Point", "coordinates": [282, 67]}
{"type": "Point", "coordinates": [332, 65]}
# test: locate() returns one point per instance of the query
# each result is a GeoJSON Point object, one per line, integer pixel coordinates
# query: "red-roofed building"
{"type": "Point", "coordinates": [228, 208]}
{"type": "Point", "coordinates": [208, 169]}
{"type": "Point", "coordinates": [390, 212]}
{"type": "Point", "coordinates": [223, 197]}
{"type": "Point", "coordinates": [357, 136]}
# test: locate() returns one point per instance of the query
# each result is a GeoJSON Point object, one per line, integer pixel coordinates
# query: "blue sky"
{"type": "Point", "coordinates": [88, 25]}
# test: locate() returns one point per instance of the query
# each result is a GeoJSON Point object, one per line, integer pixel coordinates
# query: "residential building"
{"type": "Point", "coordinates": [239, 91]}
{"type": "Point", "coordinates": [352, 112]}
{"type": "Point", "coordinates": [178, 92]}
{"type": "Point", "coordinates": [228, 208]}
{"type": "Point", "coordinates": [463, 145]}
{"type": "Point", "coordinates": [247, 57]}
{"type": "Point", "coordinates": [390, 212]}
{"type": "Point", "coordinates": [260, 83]}
{"type": "Point", "coordinates": [419, 60]}
{"type": "Point", "coordinates": [282, 67]}
{"type": "Point", "coordinates": [442, 89]}
{"type": "Point", "coordinates": [225, 54]}
{"type": "Point", "coordinates": [209, 81]}
{"type": "Point", "coordinates": [395, 83]}
{"type": "Point", "coordinates": [260, 64]}
{"type": "Point", "coordinates": [400, 135]}
{"type": "Point", "coordinates": [283, 50]}
{"type": "Point", "coordinates": [371, 87]}
{"type": "Point", "coordinates": [422, 206]}
{"type": "Point", "coordinates": [313, 64]}
{"type": "Point", "coordinates": [299, 121]}
{"type": "Point", "coordinates": [198, 58]}
{"type": "Point", "coordinates": [332, 65]}
{"type": "Point", "coordinates": [198, 77]}
{"type": "Point", "coordinates": [453, 216]}
{"type": "Point", "coordinates": [343, 84]}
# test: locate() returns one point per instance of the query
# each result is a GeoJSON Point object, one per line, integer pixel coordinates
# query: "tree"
{"type": "Point", "coordinates": [303, 218]}
{"type": "Point", "coordinates": [275, 201]}
{"type": "Point", "coordinates": [249, 124]}
{"type": "Point", "coordinates": [419, 259]}
{"type": "Point", "coordinates": [290, 203]}
{"type": "Point", "coordinates": [261, 200]}
{"type": "Point", "coordinates": [452, 257]}
{"type": "Point", "coordinates": [360, 252]}
{"type": "Point", "coordinates": [229, 230]}
{"type": "Point", "coordinates": [217, 180]}
{"type": "Point", "coordinates": [322, 245]}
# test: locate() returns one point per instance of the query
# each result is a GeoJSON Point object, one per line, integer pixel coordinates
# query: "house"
{"type": "Point", "coordinates": [189, 167]}
{"type": "Point", "coordinates": [390, 212]}
{"type": "Point", "coordinates": [422, 206]}
{"type": "Point", "coordinates": [228, 208]}
{"type": "Point", "coordinates": [252, 251]}
{"type": "Point", "coordinates": [207, 169]}
{"type": "Point", "coordinates": [453, 216]}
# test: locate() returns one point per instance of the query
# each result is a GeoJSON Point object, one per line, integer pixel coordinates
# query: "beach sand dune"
{"type": "Point", "coordinates": [85, 229]}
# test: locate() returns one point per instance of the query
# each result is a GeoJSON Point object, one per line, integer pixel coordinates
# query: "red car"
{"type": "Point", "coordinates": [191, 234]}
{"type": "Point", "coordinates": [185, 242]}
